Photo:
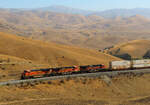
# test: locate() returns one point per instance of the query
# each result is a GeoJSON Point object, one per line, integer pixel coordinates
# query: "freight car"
{"type": "Point", "coordinates": [140, 64]}
{"type": "Point", "coordinates": [120, 65]}
{"type": "Point", "coordinates": [133, 64]}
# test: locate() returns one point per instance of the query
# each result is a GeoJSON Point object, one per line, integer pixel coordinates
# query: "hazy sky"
{"type": "Point", "coordinates": [82, 4]}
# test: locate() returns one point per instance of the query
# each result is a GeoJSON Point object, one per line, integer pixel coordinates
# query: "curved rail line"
{"type": "Point", "coordinates": [97, 74]}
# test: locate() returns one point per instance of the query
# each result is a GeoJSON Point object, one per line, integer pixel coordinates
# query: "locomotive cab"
{"type": "Point", "coordinates": [24, 74]}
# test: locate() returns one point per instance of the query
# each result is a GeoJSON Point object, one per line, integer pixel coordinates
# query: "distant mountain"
{"type": "Point", "coordinates": [124, 12]}
{"type": "Point", "coordinates": [67, 10]}
{"type": "Point", "coordinates": [90, 31]}
{"type": "Point", "coordinates": [113, 13]}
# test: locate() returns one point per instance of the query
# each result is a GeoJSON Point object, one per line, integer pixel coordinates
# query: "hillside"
{"type": "Point", "coordinates": [113, 13]}
{"type": "Point", "coordinates": [49, 53]}
{"type": "Point", "coordinates": [64, 9]}
{"type": "Point", "coordinates": [123, 90]}
{"type": "Point", "coordinates": [91, 31]}
{"type": "Point", "coordinates": [136, 48]}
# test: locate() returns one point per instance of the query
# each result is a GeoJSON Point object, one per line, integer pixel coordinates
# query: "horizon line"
{"type": "Point", "coordinates": [72, 8]}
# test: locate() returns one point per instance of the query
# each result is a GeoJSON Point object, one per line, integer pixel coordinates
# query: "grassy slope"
{"type": "Point", "coordinates": [50, 53]}
{"type": "Point", "coordinates": [136, 48]}
{"type": "Point", "coordinates": [124, 90]}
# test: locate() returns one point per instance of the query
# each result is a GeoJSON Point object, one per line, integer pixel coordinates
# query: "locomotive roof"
{"type": "Point", "coordinates": [41, 69]}
{"type": "Point", "coordinates": [91, 65]}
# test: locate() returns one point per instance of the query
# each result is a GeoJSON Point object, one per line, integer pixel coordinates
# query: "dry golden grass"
{"type": "Point", "coordinates": [136, 48]}
{"type": "Point", "coordinates": [126, 90]}
{"type": "Point", "coordinates": [11, 67]}
{"type": "Point", "coordinates": [50, 53]}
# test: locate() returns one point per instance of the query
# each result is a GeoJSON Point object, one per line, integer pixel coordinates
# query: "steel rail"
{"type": "Point", "coordinates": [97, 74]}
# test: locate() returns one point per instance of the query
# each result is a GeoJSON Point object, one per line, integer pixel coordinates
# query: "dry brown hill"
{"type": "Point", "coordinates": [85, 31]}
{"type": "Point", "coordinates": [49, 53]}
{"type": "Point", "coordinates": [136, 48]}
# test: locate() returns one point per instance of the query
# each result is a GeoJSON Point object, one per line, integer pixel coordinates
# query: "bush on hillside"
{"type": "Point", "coordinates": [124, 56]}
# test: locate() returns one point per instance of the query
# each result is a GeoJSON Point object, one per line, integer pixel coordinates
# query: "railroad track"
{"type": "Point", "coordinates": [97, 74]}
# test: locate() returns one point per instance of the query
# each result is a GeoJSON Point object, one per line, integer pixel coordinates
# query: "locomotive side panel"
{"type": "Point", "coordinates": [90, 68]}
{"type": "Point", "coordinates": [65, 70]}
{"type": "Point", "coordinates": [27, 74]}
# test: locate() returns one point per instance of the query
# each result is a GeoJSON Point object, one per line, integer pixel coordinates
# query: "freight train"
{"type": "Point", "coordinates": [113, 65]}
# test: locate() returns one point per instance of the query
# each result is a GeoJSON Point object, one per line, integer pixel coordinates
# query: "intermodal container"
{"type": "Point", "coordinates": [120, 65]}
{"type": "Point", "coordinates": [141, 63]}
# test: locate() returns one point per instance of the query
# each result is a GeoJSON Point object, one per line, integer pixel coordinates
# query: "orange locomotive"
{"type": "Point", "coordinates": [28, 74]}
{"type": "Point", "coordinates": [92, 68]}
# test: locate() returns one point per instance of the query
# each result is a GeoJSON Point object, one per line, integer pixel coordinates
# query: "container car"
{"type": "Point", "coordinates": [120, 65]}
{"type": "Point", "coordinates": [137, 64]}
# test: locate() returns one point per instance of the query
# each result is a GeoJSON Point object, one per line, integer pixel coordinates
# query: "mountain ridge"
{"type": "Point", "coordinates": [65, 9]}
{"type": "Point", "coordinates": [110, 13]}
{"type": "Point", "coordinates": [91, 31]}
